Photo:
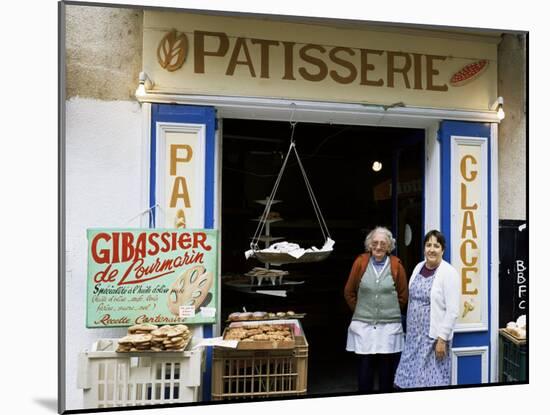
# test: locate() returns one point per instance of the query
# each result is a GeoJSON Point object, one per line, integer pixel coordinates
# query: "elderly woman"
{"type": "Point", "coordinates": [377, 293]}
{"type": "Point", "coordinates": [431, 317]}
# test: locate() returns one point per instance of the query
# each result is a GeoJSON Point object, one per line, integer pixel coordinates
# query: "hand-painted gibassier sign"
{"type": "Point", "coordinates": [159, 276]}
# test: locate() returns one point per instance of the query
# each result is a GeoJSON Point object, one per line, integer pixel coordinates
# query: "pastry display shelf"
{"type": "Point", "coordinates": [266, 200]}
{"type": "Point", "coordinates": [275, 276]}
{"type": "Point", "coordinates": [269, 221]}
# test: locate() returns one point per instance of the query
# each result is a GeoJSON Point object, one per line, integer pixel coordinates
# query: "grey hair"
{"type": "Point", "coordinates": [386, 232]}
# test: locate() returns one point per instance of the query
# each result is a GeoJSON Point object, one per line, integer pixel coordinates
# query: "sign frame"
{"type": "Point", "coordinates": [136, 283]}
{"type": "Point", "coordinates": [279, 59]}
{"type": "Point", "coordinates": [164, 218]}
{"type": "Point", "coordinates": [482, 228]}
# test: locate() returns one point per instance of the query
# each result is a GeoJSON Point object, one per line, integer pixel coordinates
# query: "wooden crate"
{"type": "Point", "coordinates": [512, 358]}
{"type": "Point", "coordinates": [245, 374]}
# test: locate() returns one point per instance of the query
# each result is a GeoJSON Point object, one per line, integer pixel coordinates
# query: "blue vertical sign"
{"type": "Point", "coordinates": [466, 222]}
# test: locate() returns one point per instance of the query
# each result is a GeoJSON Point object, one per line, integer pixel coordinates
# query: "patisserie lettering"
{"type": "Point", "coordinates": [115, 247]}
{"type": "Point", "coordinates": [344, 65]}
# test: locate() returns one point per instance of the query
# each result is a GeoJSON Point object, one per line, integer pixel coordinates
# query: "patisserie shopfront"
{"type": "Point", "coordinates": [306, 134]}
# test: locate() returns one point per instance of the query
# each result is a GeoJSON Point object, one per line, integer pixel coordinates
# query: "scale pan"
{"type": "Point", "coordinates": [279, 258]}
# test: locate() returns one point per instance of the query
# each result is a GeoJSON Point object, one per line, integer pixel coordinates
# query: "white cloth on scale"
{"type": "Point", "coordinates": [291, 249]}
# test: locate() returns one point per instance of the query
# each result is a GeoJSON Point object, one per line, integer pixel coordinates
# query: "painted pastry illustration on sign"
{"type": "Point", "coordinates": [190, 289]}
{"type": "Point", "coordinates": [469, 72]}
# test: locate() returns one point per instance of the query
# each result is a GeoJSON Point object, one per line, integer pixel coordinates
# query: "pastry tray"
{"type": "Point", "coordinates": [155, 351]}
{"type": "Point", "coordinates": [264, 344]}
{"type": "Point", "coordinates": [266, 318]}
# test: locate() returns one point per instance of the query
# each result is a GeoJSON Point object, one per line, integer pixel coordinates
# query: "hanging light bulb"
{"type": "Point", "coordinates": [377, 166]}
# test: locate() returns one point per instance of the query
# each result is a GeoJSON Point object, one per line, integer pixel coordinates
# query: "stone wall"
{"type": "Point", "coordinates": [103, 52]}
{"type": "Point", "coordinates": [512, 151]}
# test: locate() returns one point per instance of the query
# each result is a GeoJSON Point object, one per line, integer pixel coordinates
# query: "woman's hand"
{"type": "Point", "coordinates": [440, 348]}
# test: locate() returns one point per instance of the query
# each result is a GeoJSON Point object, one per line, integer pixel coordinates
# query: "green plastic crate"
{"type": "Point", "coordinates": [513, 358]}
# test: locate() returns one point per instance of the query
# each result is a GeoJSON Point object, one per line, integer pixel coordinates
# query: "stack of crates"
{"type": "Point", "coordinates": [242, 374]}
{"type": "Point", "coordinates": [513, 358]}
{"type": "Point", "coordinates": [110, 379]}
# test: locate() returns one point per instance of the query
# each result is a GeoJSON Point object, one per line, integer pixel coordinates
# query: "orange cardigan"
{"type": "Point", "coordinates": [357, 271]}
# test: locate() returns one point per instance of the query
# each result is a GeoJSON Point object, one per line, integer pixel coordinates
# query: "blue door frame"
{"type": "Point", "coordinates": [188, 114]}
{"type": "Point", "coordinates": [469, 366]}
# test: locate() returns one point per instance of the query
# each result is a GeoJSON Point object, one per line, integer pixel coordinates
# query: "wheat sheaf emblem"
{"type": "Point", "coordinates": [172, 50]}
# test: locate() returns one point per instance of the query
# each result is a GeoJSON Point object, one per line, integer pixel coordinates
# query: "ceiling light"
{"type": "Point", "coordinates": [377, 166]}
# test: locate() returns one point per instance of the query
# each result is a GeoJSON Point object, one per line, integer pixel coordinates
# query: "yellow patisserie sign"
{"type": "Point", "coordinates": [237, 56]}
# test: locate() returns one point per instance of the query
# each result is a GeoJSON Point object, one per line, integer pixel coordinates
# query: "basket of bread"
{"type": "Point", "coordinates": [151, 338]}
{"type": "Point", "coordinates": [518, 328]}
{"type": "Point", "coordinates": [261, 336]}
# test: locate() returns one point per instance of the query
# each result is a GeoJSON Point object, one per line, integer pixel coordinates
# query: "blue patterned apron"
{"type": "Point", "coordinates": [418, 366]}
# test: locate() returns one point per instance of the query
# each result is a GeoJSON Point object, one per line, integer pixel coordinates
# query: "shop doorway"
{"type": "Point", "coordinates": [353, 198]}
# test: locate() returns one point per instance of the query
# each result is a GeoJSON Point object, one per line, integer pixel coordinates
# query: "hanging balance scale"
{"type": "Point", "coordinates": [284, 252]}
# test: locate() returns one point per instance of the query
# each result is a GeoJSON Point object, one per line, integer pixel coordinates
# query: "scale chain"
{"type": "Point", "coordinates": [263, 218]}
{"type": "Point", "coordinates": [316, 208]}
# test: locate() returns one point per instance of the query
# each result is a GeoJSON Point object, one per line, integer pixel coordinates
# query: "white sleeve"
{"type": "Point", "coordinates": [451, 292]}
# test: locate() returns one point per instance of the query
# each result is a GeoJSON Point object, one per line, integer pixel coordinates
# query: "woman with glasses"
{"type": "Point", "coordinates": [376, 292]}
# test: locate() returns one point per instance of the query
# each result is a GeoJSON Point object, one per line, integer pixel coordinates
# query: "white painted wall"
{"type": "Point", "coordinates": [103, 189]}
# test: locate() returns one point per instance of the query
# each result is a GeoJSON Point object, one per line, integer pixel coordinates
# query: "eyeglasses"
{"type": "Point", "coordinates": [381, 244]}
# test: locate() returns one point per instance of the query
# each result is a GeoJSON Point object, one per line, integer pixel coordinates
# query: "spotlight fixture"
{"type": "Point", "coordinates": [500, 112]}
{"type": "Point", "coordinates": [498, 106]}
{"type": "Point", "coordinates": [145, 83]}
{"type": "Point", "coordinates": [377, 166]}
